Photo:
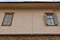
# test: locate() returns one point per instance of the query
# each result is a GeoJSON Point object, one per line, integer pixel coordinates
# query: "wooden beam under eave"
{"type": "Point", "coordinates": [29, 5]}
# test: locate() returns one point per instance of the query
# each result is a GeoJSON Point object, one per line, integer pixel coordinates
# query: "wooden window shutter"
{"type": "Point", "coordinates": [55, 18]}
{"type": "Point", "coordinates": [46, 20]}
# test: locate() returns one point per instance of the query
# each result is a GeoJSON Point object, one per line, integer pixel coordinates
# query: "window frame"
{"type": "Point", "coordinates": [7, 13]}
{"type": "Point", "coordinates": [54, 15]}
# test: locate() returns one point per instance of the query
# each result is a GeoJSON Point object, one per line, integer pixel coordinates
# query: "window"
{"type": "Point", "coordinates": [7, 21]}
{"type": "Point", "coordinates": [50, 19]}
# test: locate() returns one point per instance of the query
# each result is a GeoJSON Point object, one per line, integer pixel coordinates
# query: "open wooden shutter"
{"type": "Point", "coordinates": [46, 20]}
{"type": "Point", "coordinates": [55, 19]}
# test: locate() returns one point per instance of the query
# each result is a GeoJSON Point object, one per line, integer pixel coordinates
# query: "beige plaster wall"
{"type": "Point", "coordinates": [39, 26]}
{"type": "Point", "coordinates": [21, 24]}
{"type": "Point", "coordinates": [29, 21]}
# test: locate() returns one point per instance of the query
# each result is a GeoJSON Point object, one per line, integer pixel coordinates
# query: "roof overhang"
{"type": "Point", "coordinates": [29, 5]}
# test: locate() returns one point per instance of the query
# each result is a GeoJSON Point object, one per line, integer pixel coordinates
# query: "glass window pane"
{"type": "Point", "coordinates": [51, 16]}
{"type": "Point", "coordinates": [49, 22]}
{"type": "Point", "coordinates": [52, 21]}
{"type": "Point", "coordinates": [48, 16]}
{"type": "Point", "coordinates": [7, 20]}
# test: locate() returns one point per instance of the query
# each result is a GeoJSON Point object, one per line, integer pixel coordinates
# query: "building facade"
{"type": "Point", "coordinates": [29, 21]}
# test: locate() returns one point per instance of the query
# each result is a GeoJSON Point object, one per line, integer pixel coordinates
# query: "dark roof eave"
{"type": "Point", "coordinates": [30, 2]}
